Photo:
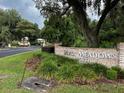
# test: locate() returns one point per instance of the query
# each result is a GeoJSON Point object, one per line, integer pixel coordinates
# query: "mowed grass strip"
{"type": "Point", "coordinates": [101, 88]}
{"type": "Point", "coordinates": [13, 67]}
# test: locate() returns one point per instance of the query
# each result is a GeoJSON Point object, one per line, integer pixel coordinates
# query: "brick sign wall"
{"type": "Point", "coordinates": [108, 57]}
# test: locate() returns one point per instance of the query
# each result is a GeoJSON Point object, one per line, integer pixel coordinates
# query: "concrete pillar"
{"type": "Point", "coordinates": [121, 55]}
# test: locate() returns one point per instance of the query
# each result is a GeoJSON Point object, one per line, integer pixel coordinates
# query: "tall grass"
{"type": "Point", "coordinates": [63, 69]}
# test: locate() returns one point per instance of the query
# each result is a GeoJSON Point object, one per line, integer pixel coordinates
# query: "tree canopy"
{"type": "Point", "coordinates": [80, 8]}
{"type": "Point", "coordinates": [60, 30]}
{"type": "Point", "coordinates": [25, 28]}
{"type": "Point", "coordinates": [14, 27]}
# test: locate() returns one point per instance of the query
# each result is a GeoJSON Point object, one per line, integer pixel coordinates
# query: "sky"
{"type": "Point", "coordinates": [26, 8]}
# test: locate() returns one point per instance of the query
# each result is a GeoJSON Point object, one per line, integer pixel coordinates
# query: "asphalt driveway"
{"type": "Point", "coordinates": [12, 51]}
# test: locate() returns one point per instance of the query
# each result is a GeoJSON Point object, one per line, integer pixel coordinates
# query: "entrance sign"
{"type": "Point", "coordinates": [106, 56]}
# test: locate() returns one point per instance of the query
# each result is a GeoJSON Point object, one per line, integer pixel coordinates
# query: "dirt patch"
{"type": "Point", "coordinates": [121, 81]}
{"type": "Point", "coordinates": [107, 81]}
{"type": "Point", "coordinates": [79, 81]}
{"type": "Point", "coordinates": [32, 63]}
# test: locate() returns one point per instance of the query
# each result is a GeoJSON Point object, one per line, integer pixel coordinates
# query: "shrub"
{"type": "Point", "coordinates": [48, 70]}
{"type": "Point", "coordinates": [111, 74]}
{"type": "Point", "coordinates": [66, 74]}
{"type": "Point", "coordinates": [107, 44]}
{"type": "Point", "coordinates": [69, 73]}
{"type": "Point", "coordinates": [65, 61]}
{"type": "Point", "coordinates": [14, 43]}
{"type": "Point", "coordinates": [120, 72]}
{"type": "Point", "coordinates": [99, 69]}
{"type": "Point", "coordinates": [116, 68]}
{"type": "Point", "coordinates": [39, 55]}
{"type": "Point", "coordinates": [85, 73]}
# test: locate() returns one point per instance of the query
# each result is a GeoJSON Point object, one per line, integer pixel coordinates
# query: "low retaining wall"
{"type": "Point", "coordinates": [105, 56]}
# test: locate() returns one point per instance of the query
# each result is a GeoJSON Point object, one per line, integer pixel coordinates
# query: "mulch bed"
{"type": "Point", "coordinates": [32, 63]}
{"type": "Point", "coordinates": [104, 80]}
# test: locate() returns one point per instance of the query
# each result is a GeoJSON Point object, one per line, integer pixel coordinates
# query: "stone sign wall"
{"type": "Point", "coordinates": [121, 54]}
{"type": "Point", "coordinates": [108, 57]}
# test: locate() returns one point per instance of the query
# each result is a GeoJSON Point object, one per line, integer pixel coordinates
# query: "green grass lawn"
{"type": "Point", "coordinates": [13, 66]}
{"type": "Point", "coordinates": [102, 88]}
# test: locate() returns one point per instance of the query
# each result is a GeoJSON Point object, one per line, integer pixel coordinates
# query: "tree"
{"type": "Point", "coordinates": [25, 28]}
{"type": "Point", "coordinates": [13, 27]}
{"type": "Point", "coordinates": [111, 32]}
{"type": "Point", "coordinates": [12, 17]}
{"type": "Point", "coordinates": [9, 18]}
{"type": "Point", "coordinates": [2, 17]}
{"type": "Point", "coordinates": [5, 35]}
{"type": "Point", "coordinates": [60, 30]}
{"type": "Point", "coordinates": [79, 7]}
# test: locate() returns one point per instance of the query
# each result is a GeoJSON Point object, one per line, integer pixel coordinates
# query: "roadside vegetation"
{"type": "Point", "coordinates": [68, 75]}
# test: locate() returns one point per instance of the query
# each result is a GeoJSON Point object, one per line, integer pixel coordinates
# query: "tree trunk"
{"type": "Point", "coordinates": [89, 34]}
{"type": "Point", "coordinates": [91, 38]}
{"type": "Point", "coordinates": [81, 15]}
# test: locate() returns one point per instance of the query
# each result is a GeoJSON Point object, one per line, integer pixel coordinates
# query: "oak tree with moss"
{"type": "Point", "coordinates": [79, 8]}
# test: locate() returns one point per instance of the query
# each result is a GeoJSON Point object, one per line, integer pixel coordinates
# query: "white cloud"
{"type": "Point", "coordinates": [26, 8]}
{"type": "Point", "coordinates": [3, 7]}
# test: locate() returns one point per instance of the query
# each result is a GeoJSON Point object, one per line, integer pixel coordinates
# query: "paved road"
{"type": "Point", "coordinates": [12, 51]}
